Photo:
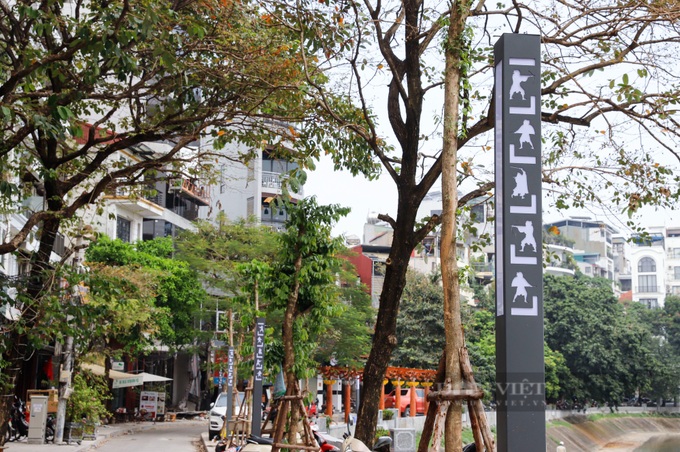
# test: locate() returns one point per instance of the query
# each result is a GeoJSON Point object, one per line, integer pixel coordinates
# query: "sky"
{"type": "Point", "coordinates": [357, 193]}
{"type": "Point", "coordinates": [379, 196]}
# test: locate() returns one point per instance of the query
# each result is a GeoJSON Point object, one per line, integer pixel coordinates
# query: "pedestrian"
{"type": "Point", "coordinates": [561, 447]}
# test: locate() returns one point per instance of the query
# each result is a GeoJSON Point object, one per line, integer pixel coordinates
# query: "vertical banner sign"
{"type": "Point", "coordinates": [230, 381]}
{"type": "Point", "coordinates": [258, 371]}
{"type": "Point", "coordinates": [520, 373]}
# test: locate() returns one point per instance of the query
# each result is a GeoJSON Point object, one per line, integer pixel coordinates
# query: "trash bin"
{"type": "Point", "coordinates": [90, 430]}
{"type": "Point", "coordinates": [73, 432]}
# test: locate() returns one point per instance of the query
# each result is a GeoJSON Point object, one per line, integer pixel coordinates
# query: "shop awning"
{"type": "Point", "coordinates": [149, 378]}
{"type": "Point", "coordinates": [123, 379]}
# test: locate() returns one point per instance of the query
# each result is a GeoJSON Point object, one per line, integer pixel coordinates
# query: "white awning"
{"type": "Point", "coordinates": [148, 378]}
{"type": "Point", "coordinates": [101, 371]}
{"type": "Point", "coordinates": [123, 379]}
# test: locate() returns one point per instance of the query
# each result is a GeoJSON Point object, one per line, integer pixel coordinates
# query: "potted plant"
{"type": "Point", "coordinates": [86, 406]}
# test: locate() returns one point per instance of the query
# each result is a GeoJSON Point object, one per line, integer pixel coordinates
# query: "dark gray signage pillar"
{"type": "Point", "coordinates": [230, 381]}
{"type": "Point", "coordinates": [258, 373]}
{"type": "Point", "coordinates": [520, 373]}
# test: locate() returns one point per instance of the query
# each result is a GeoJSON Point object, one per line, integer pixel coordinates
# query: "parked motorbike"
{"type": "Point", "coordinates": [324, 441]}
{"type": "Point", "coordinates": [17, 426]}
{"type": "Point", "coordinates": [49, 428]}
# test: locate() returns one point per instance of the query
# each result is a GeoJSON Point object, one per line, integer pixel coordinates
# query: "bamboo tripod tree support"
{"type": "Point", "coordinates": [473, 395]}
{"type": "Point", "coordinates": [292, 409]}
{"type": "Point", "coordinates": [240, 424]}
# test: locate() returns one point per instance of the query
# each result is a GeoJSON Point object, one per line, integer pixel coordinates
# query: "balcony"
{"type": "Point", "coordinates": [200, 195]}
{"type": "Point", "coordinates": [133, 203]}
{"type": "Point", "coordinates": [271, 180]}
{"type": "Point", "coordinates": [272, 184]}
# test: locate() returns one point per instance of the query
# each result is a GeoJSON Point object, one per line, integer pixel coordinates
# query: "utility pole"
{"type": "Point", "coordinates": [64, 389]}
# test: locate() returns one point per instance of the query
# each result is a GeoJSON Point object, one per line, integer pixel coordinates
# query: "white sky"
{"type": "Point", "coordinates": [361, 195]}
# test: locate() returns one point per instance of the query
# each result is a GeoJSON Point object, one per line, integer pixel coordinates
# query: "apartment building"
{"type": "Point", "coordinates": [592, 241]}
{"type": "Point", "coordinates": [648, 268]}
{"type": "Point", "coordinates": [248, 190]}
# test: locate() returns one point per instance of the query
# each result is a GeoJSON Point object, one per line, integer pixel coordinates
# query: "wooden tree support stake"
{"type": "Point", "coordinates": [289, 402]}
{"type": "Point", "coordinates": [480, 427]}
{"type": "Point", "coordinates": [476, 408]}
{"type": "Point", "coordinates": [295, 446]}
{"type": "Point", "coordinates": [455, 394]}
{"type": "Point", "coordinates": [438, 430]}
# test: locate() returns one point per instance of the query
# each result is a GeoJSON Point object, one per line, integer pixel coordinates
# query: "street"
{"type": "Point", "coordinates": [181, 436]}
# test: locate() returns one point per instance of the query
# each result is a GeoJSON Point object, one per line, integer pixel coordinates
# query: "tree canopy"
{"type": "Point", "coordinates": [177, 292]}
{"type": "Point", "coordinates": [611, 351]}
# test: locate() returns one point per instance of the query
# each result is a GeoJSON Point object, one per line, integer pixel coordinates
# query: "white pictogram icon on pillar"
{"type": "Point", "coordinates": [517, 80]}
{"type": "Point", "coordinates": [525, 131]}
{"type": "Point", "coordinates": [521, 284]}
{"type": "Point", "coordinates": [521, 187]}
{"type": "Point", "coordinates": [528, 231]}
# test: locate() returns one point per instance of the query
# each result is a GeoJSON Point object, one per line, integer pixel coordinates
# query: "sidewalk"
{"type": "Point", "coordinates": [103, 434]}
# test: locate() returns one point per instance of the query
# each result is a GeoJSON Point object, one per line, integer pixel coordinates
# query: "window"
{"type": "Point", "coordinates": [676, 273]}
{"type": "Point", "coordinates": [646, 265]}
{"type": "Point", "coordinates": [123, 229]}
{"type": "Point", "coordinates": [250, 207]}
{"type": "Point", "coordinates": [647, 283]}
{"type": "Point", "coordinates": [651, 303]}
{"type": "Point", "coordinates": [266, 212]}
{"type": "Point", "coordinates": [477, 213]}
{"type": "Point", "coordinates": [674, 253]}
{"type": "Point", "coordinates": [378, 268]}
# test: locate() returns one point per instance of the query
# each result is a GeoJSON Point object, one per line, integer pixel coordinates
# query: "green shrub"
{"type": "Point", "coordinates": [380, 432]}
{"type": "Point", "coordinates": [88, 399]}
{"type": "Point", "coordinates": [388, 415]}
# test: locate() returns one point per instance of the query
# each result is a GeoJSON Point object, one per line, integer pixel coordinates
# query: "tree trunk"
{"type": "Point", "coordinates": [384, 338]}
{"type": "Point", "coordinates": [452, 318]}
{"type": "Point", "coordinates": [64, 387]}
{"type": "Point", "coordinates": [16, 344]}
{"type": "Point", "coordinates": [289, 359]}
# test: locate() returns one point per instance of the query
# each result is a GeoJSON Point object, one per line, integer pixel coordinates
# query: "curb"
{"type": "Point", "coordinates": [112, 434]}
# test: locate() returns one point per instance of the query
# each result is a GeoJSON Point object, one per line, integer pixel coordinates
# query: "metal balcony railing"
{"type": "Point", "coordinates": [271, 180]}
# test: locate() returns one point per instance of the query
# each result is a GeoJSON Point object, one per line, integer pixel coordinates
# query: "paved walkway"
{"type": "Point", "coordinates": [104, 433]}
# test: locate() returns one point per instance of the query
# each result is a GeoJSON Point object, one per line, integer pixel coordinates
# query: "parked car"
{"type": "Point", "coordinates": [218, 409]}
{"type": "Point", "coordinates": [405, 401]}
